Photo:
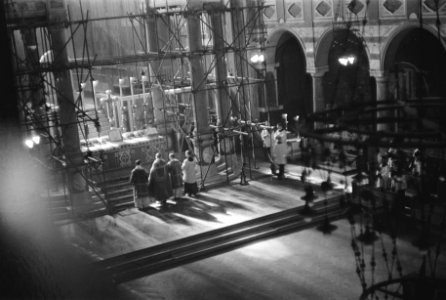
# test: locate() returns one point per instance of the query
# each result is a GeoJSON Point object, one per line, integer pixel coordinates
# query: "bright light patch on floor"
{"type": "Point", "coordinates": [269, 250]}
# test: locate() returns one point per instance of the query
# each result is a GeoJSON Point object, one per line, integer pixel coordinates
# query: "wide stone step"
{"type": "Point", "coordinates": [66, 213]}
{"type": "Point", "coordinates": [173, 254]}
{"type": "Point", "coordinates": [121, 201]}
{"type": "Point", "coordinates": [115, 184]}
{"type": "Point", "coordinates": [112, 194]}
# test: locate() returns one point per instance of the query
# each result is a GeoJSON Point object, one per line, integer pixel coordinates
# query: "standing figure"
{"type": "Point", "coordinates": [139, 180]}
{"type": "Point", "coordinates": [267, 141]}
{"type": "Point", "coordinates": [384, 176]}
{"type": "Point", "coordinates": [159, 179]}
{"type": "Point", "coordinates": [280, 132]}
{"type": "Point", "coordinates": [216, 138]}
{"type": "Point", "coordinates": [243, 180]}
{"type": "Point", "coordinates": [175, 174]}
{"type": "Point", "coordinates": [279, 155]}
{"type": "Point", "coordinates": [189, 177]}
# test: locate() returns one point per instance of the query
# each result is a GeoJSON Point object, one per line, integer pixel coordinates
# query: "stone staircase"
{"type": "Point", "coordinates": [60, 208]}
{"type": "Point", "coordinates": [119, 193]}
{"type": "Point", "coordinates": [114, 193]}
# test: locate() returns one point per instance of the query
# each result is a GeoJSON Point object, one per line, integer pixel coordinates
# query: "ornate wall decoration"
{"type": "Point", "coordinates": [430, 7]}
{"type": "Point", "coordinates": [124, 158]}
{"type": "Point", "coordinates": [295, 10]}
{"type": "Point", "coordinates": [150, 150]}
{"type": "Point", "coordinates": [322, 9]}
{"type": "Point", "coordinates": [392, 8]}
{"type": "Point", "coordinates": [270, 11]}
{"type": "Point", "coordinates": [355, 8]}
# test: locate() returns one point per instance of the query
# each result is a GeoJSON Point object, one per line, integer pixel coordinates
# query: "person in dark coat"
{"type": "Point", "coordinates": [139, 180]}
{"type": "Point", "coordinates": [159, 179]}
{"type": "Point", "coordinates": [176, 175]}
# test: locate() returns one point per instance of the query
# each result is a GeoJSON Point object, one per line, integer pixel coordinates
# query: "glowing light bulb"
{"type": "Point", "coordinates": [351, 60]}
{"type": "Point", "coordinates": [36, 139]}
{"type": "Point", "coordinates": [343, 61]}
{"type": "Point", "coordinates": [29, 143]}
{"type": "Point", "coordinates": [255, 58]}
{"type": "Point", "coordinates": [347, 60]}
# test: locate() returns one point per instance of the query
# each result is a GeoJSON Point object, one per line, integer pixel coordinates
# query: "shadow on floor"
{"type": "Point", "coordinates": [192, 207]}
{"type": "Point", "coordinates": [166, 217]}
{"type": "Point", "coordinates": [221, 205]}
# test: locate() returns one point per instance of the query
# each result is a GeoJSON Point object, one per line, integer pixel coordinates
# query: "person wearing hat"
{"type": "Point", "coordinates": [280, 132]}
{"type": "Point", "coordinates": [159, 179]}
{"type": "Point", "coordinates": [139, 180]}
{"type": "Point", "coordinates": [176, 175]}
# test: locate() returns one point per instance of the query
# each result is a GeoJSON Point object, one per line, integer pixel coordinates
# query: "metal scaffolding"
{"type": "Point", "coordinates": [85, 71]}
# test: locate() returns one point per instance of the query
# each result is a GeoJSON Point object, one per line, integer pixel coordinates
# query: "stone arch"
{"type": "Point", "coordinates": [342, 85]}
{"type": "Point", "coordinates": [286, 54]}
{"type": "Point", "coordinates": [273, 40]}
{"type": "Point", "coordinates": [396, 36]}
{"type": "Point", "coordinates": [414, 60]}
{"type": "Point", "coordinates": [322, 48]}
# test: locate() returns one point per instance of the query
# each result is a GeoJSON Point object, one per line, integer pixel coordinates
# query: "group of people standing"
{"type": "Point", "coordinates": [164, 180]}
{"type": "Point", "coordinates": [275, 148]}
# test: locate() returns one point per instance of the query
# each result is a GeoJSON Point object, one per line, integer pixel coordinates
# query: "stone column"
{"type": "Point", "coordinates": [318, 90]}
{"type": "Point", "coordinates": [34, 93]}
{"type": "Point", "coordinates": [202, 134]}
{"type": "Point", "coordinates": [240, 53]}
{"type": "Point", "coordinates": [155, 32]}
{"type": "Point", "coordinates": [77, 185]}
{"type": "Point", "coordinates": [224, 102]}
{"type": "Point", "coordinates": [381, 95]}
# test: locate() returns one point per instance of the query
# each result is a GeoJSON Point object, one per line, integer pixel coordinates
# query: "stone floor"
{"type": "Point", "coordinates": [301, 265]}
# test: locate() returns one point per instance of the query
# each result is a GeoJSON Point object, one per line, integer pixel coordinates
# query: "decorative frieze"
{"type": "Point", "coordinates": [392, 8]}
{"type": "Point", "coordinates": [430, 8]}
{"type": "Point", "coordinates": [323, 9]}
{"type": "Point", "coordinates": [354, 9]}
{"type": "Point", "coordinates": [295, 10]}
{"type": "Point", "coordinates": [270, 11]}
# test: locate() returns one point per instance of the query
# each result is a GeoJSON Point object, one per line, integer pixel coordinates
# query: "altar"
{"type": "Point", "coordinates": [120, 150]}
